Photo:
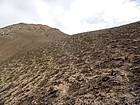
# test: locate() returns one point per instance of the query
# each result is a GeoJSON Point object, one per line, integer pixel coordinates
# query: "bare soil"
{"type": "Point", "coordinates": [40, 65]}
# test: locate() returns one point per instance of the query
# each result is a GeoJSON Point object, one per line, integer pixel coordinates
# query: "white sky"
{"type": "Point", "coordinates": [70, 16]}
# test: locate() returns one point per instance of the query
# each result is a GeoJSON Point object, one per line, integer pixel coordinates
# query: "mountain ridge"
{"type": "Point", "coordinates": [22, 35]}
{"type": "Point", "coordinates": [91, 68]}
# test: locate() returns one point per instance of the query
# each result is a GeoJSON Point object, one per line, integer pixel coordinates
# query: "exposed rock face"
{"type": "Point", "coordinates": [52, 68]}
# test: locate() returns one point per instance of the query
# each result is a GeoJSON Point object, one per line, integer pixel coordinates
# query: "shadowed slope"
{"type": "Point", "coordinates": [92, 68]}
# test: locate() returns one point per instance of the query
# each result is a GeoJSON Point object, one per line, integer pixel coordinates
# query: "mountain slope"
{"type": "Point", "coordinates": [24, 37]}
{"type": "Point", "coordinates": [92, 68]}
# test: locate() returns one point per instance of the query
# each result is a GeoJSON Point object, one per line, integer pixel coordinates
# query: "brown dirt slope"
{"type": "Point", "coordinates": [23, 37]}
{"type": "Point", "coordinates": [92, 68]}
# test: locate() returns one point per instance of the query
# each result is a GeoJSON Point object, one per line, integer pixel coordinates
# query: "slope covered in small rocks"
{"type": "Point", "coordinates": [93, 68]}
{"type": "Point", "coordinates": [23, 37]}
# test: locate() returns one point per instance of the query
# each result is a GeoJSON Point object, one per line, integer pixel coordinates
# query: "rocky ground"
{"type": "Point", "coordinates": [93, 68]}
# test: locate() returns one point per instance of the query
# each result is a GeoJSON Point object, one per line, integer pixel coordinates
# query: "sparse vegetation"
{"type": "Point", "coordinates": [42, 66]}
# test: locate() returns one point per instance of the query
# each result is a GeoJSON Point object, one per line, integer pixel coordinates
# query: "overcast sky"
{"type": "Point", "coordinates": [70, 16]}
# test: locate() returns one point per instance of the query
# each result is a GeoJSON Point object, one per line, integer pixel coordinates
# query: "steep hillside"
{"type": "Point", "coordinates": [23, 37]}
{"type": "Point", "coordinates": [92, 68]}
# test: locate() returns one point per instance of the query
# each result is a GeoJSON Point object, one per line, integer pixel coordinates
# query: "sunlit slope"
{"type": "Point", "coordinates": [92, 68]}
{"type": "Point", "coordinates": [23, 37]}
